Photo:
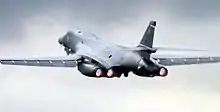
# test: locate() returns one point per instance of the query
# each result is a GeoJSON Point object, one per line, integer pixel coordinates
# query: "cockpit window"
{"type": "Point", "coordinates": [79, 31]}
{"type": "Point", "coordinates": [85, 34]}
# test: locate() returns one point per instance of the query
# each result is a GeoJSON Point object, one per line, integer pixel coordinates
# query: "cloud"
{"type": "Point", "coordinates": [195, 9]}
{"type": "Point", "coordinates": [39, 24]}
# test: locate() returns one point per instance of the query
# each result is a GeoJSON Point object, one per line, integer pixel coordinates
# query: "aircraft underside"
{"type": "Point", "coordinates": [95, 69]}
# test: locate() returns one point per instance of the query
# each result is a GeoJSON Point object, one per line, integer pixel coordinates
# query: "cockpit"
{"type": "Point", "coordinates": [77, 33]}
{"type": "Point", "coordinates": [85, 34]}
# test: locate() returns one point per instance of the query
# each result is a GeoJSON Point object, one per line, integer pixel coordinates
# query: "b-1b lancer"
{"type": "Point", "coordinates": [97, 58]}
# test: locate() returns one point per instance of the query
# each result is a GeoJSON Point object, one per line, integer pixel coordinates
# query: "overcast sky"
{"type": "Point", "coordinates": [29, 28]}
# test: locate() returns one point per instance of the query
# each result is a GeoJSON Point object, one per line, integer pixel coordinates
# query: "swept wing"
{"type": "Point", "coordinates": [185, 58]}
{"type": "Point", "coordinates": [65, 61]}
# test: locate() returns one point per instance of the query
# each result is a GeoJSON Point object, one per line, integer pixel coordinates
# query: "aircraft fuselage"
{"type": "Point", "coordinates": [102, 54]}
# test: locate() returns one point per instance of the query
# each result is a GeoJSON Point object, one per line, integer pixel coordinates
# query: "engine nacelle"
{"type": "Point", "coordinates": [150, 69]}
{"type": "Point", "coordinates": [90, 69]}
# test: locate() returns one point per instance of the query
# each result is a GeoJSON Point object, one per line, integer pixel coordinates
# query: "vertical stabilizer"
{"type": "Point", "coordinates": [148, 37]}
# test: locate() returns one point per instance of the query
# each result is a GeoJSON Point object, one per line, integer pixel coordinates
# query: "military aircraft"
{"type": "Point", "coordinates": [97, 58]}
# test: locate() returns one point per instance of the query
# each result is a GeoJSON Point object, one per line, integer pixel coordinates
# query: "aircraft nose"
{"type": "Point", "coordinates": [65, 39]}
{"type": "Point", "coordinates": [60, 40]}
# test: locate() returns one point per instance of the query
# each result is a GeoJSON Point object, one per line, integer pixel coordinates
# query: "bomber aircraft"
{"type": "Point", "coordinates": [97, 58]}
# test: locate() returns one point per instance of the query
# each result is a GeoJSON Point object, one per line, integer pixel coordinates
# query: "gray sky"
{"type": "Point", "coordinates": [29, 28]}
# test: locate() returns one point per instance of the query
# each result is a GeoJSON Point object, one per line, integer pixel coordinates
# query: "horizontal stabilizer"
{"type": "Point", "coordinates": [175, 49]}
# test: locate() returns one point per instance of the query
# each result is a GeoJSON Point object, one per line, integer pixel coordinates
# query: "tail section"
{"type": "Point", "coordinates": [148, 37]}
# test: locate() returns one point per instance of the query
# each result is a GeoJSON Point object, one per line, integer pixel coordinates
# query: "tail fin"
{"type": "Point", "coordinates": [148, 37]}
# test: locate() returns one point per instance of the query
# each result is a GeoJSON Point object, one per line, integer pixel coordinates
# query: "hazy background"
{"type": "Point", "coordinates": [29, 28]}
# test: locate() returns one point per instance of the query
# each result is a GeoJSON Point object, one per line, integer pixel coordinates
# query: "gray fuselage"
{"type": "Point", "coordinates": [106, 54]}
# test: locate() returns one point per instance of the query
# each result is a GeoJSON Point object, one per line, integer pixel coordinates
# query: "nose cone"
{"type": "Point", "coordinates": [60, 40]}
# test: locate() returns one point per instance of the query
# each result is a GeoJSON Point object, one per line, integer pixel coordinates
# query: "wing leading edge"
{"type": "Point", "coordinates": [172, 61]}
{"type": "Point", "coordinates": [67, 61]}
